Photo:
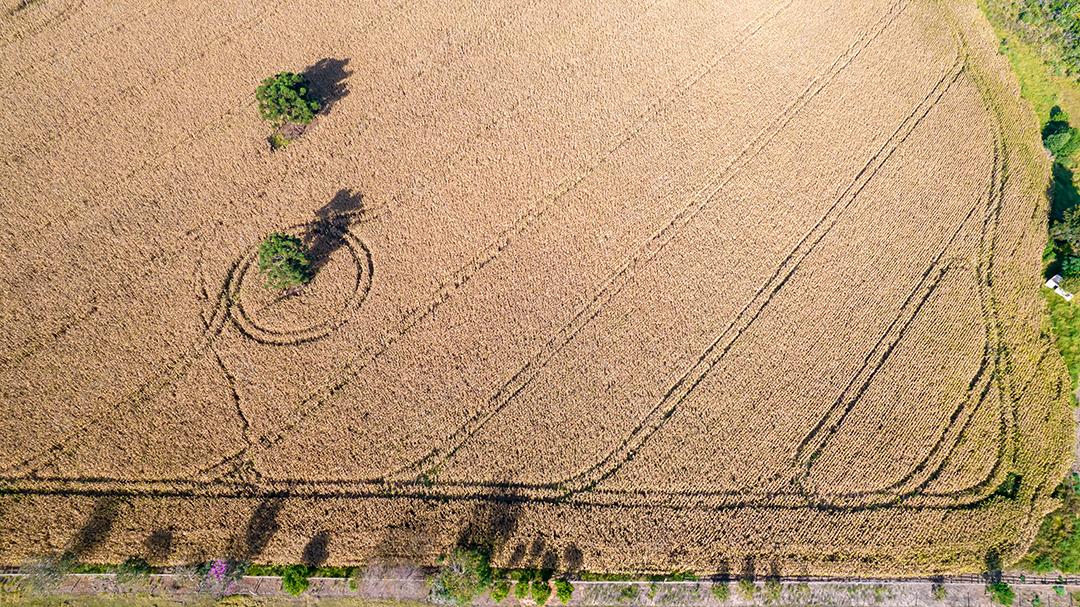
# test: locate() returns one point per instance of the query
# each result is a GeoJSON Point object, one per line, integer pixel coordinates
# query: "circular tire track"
{"type": "Point", "coordinates": [253, 329]}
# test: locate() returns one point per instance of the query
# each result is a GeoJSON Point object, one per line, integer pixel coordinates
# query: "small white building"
{"type": "Point", "coordinates": [1055, 284]}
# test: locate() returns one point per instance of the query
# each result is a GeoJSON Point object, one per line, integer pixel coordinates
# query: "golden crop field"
{"type": "Point", "coordinates": [635, 285]}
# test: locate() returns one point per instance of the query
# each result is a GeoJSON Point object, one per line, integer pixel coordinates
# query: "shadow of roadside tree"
{"type": "Point", "coordinates": [96, 528]}
{"type": "Point", "coordinates": [260, 529]}
{"type": "Point", "coordinates": [317, 550]}
{"type": "Point", "coordinates": [159, 545]}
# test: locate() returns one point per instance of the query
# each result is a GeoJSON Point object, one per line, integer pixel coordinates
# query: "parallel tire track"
{"type": "Point", "coordinates": [70, 8]}
{"type": "Point", "coordinates": [177, 370]}
{"type": "Point", "coordinates": [490, 252]}
{"type": "Point", "coordinates": [641, 257]}
{"type": "Point", "coordinates": [753, 309]}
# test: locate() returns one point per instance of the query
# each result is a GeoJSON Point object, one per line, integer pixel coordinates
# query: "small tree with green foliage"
{"type": "Point", "coordinates": [500, 589]}
{"type": "Point", "coordinates": [540, 591]}
{"type": "Point", "coordinates": [464, 574]}
{"type": "Point", "coordinates": [283, 261]}
{"type": "Point", "coordinates": [521, 589]}
{"type": "Point", "coordinates": [1002, 593]}
{"type": "Point", "coordinates": [1060, 138]}
{"type": "Point", "coordinates": [134, 569]}
{"type": "Point", "coordinates": [564, 590]}
{"type": "Point", "coordinates": [286, 98]}
{"type": "Point", "coordinates": [1070, 266]}
{"type": "Point", "coordinates": [1067, 231]}
{"type": "Point", "coordinates": [294, 579]}
{"type": "Point", "coordinates": [747, 588]}
{"type": "Point", "coordinates": [721, 590]}
{"type": "Point", "coordinates": [773, 590]}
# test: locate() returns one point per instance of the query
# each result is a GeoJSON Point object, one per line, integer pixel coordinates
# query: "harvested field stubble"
{"type": "Point", "coordinates": [634, 285]}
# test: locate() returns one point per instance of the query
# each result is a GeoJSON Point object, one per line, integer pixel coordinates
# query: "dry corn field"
{"type": "Point", "coordinates": [635, 285]}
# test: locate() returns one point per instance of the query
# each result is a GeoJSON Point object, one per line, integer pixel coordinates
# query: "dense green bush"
{"type": "Point", "coordinates": [1052, 26]}
{"type": "Point", "coordinates": [294, 579]}
{"type": "Point", "coordinates": [721, 590]}
{"type": "Point", "coordinates": [564, 590]}
{"type": "Point", "coordinates": [133, 569]}
{"type": "Point", "coordinates": [540, 591]}
{"type": "Point", "coordinates": [286, 98]}
{"type": "Point", "coordinates": [283, 261]}
{"type": "Point", "coordinates": [1001, 593]}
{"type": "Point", "coordinates": [464, 574]}
{"type": "Point", "coordinates": [500, 589]}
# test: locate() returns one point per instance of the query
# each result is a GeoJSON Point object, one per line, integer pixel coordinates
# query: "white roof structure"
{"type": "Point", "coordinates": [1055, 284]}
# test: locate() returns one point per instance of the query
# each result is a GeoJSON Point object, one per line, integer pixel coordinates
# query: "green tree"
{"type": "Point", "coordinates": [747, 588]}
{"type": "Point", "coordinates": [541, 591]}
{"type": "Point", "coordinates": [283, 262]}
{"type": "Point", "coordinates": [286, 97]}
{"type": "Point", "coordinates": [721, 590]}
{"type": "Point", "coordinates": [500, 589]}
{"type": "Point", "coordinates": [294, 579]}
{"type": "Point", "coordinates": [464, 574]}
{"type": "Point", "coordinates": [521, 589]}
{"type": "Point", "coordinates": [1002, 593]}
{"type": "Point", "coordinates": [1067, 231]}
{"type": "Point", "coordinates": [564, 590]}
{"type": "Point", "coordinates": [1059, 137]}
{"type": "Point", "coordinates": [1070, 266]}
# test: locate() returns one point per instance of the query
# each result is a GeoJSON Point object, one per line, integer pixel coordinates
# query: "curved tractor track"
{"type": "Point", "coordinates": [334, 405]}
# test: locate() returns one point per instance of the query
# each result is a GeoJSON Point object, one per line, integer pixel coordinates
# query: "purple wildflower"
{"type": "Point", "coordinates": [219, 569]}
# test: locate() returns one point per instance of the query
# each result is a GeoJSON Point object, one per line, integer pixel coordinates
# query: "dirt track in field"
{"type": "Point", "coordinates": [635, 285]}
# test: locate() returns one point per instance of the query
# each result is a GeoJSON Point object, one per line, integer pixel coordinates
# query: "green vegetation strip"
{"type": "Point", "coordinates": [1042, 42]}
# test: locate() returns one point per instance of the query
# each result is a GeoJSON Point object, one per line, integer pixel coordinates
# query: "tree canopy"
{"type": "Point", "coordinates": [283, 261]}
{"type": "Point", "coordinates": [286, 98]}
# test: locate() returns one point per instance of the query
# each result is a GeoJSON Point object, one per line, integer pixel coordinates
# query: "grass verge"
{"type": "Point", "coordinates": [1052, 96]}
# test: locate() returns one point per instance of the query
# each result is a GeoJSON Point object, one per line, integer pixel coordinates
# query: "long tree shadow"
{"type": "Point", "coordinates": [415, 530]}
{"type": "Point", "coordinates": [95, 529]}
{"type": "Point", "coordinates": [159, 545]}
{"type": "Point", "coordinates": [322, 237]}
{"type": "Point", "coordinates": [749, 569]}
{"type": "Point", "coordinates": [1062, 191]}
{"type": "Point", "coordinates": [327, 79]}
{"type": "Point", "coordinates": [993, 566]}
{"type": "Point", "coordinates": [491, 524]}
{"type": "Point", "coordinates": [317, 550]}
{"type": "Point", "coordinates": [260, 529]}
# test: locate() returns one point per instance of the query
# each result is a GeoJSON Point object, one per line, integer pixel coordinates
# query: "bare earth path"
{"type": "Point", "coordinates": [960, 591]}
